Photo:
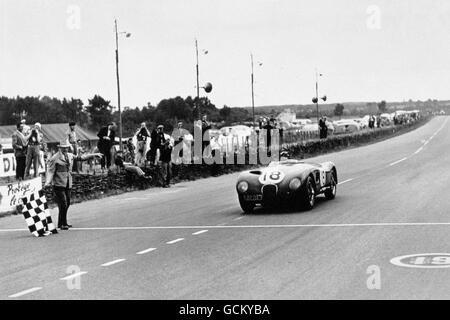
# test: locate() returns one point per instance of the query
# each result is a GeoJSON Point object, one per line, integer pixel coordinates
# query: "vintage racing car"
{"type": "Point", "coordinates": [292, 182]}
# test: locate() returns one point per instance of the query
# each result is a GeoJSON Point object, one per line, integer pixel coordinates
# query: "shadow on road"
{"type": "Point", "coordinates": [285, 209]}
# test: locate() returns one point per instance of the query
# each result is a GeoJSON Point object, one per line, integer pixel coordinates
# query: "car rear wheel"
{"type": "Point", "coordinates": [330, 193]}
{"type": "Point", "coordinates": [309, 194]}
{"type": "Point", "coordinates": [246, 206]}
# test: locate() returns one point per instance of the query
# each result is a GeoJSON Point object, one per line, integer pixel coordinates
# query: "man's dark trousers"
{"type": "Point", "coordinates": [62, 196]}
{"type": "Point", "coordinates": [20, 167]}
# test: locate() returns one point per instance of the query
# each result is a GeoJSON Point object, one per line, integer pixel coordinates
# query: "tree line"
{"type": "Point", "coordinates": [99, 111]}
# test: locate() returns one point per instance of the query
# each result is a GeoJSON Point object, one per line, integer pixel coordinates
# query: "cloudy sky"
{"type": "Point", "coordinates": [366, 50]}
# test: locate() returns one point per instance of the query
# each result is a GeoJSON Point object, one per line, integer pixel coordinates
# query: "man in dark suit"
{"type": "Point", "coordinates": [157, 140]}
{"type": "Point", "coordinates": [19, 143]}
{"type": "Point", "coordinates": [106, 140]}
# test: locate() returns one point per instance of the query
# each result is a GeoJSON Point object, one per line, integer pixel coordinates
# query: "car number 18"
{"type": "Point", "coordinates": [271, 177]}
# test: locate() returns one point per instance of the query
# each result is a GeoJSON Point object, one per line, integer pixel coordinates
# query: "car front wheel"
{"type": "Point", "coordinates": [330, 193]}
{"type": "Point", "coordinates": [309, 194]}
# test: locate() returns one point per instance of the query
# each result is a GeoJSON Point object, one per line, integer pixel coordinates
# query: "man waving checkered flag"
{"type": "Point", "coordinates": [37, 215]}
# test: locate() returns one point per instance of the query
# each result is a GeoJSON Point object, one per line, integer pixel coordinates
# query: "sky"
{"type": "Point", "coordinates": [365, 50]}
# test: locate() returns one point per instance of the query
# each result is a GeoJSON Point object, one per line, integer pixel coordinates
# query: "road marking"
{"type": "Point", "coordinates": [175, 241]}
{"type": "Point", "coordinates": [423, 260]}
{"type": "Point", "coordinates": [146, 251]}
{"type": "Point", "coordinates": [348, 180]}
{"type": "Point", "coordinates": [394, 224]}
{"type": "Point", "coordinates": [238, 218]}
{"type": "Point", "coordinates": [12, 230]}
{"type": "Point", "coordinates": [22, 293]}
{"type": "Point", "coordinates": [418, 150]}
{"type": "Point", "coordinates": [425, 142]}
{"type": "Point", "coordinates": [398, 161]}
{"type": "Point", "coordinates": [199, 232]}
{"type": "Point", "coordinates": [107, 264]}
{"type": "Point", "coordinates": [74, 275]}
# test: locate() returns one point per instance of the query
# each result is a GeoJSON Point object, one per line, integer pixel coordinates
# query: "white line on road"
{"type": "Point", "coordinates": [107, 264]}
{"type": "Point", "coordinates": [22, 293]}
{"type": "Point", "coordinates": [238, 218]}
{"type": "Point", "coordinates": [175, 241]}
{"type": "Point", "coordinates": [345, 181]}
{"type": "Point", "coordinates": [199, 232]}
{"type": "Point", "coordinates": [398, 161]}
{"type": "Point", "coordinates": [268, 226]}
{"type": "Point", "coordinates": [74, 275]}
{"type": "Point", "coordinates": [12, 230]}
{"type": "Point", "coordinates": [418, 150]}
{"type": "Point", "coordinates": [146, 251]}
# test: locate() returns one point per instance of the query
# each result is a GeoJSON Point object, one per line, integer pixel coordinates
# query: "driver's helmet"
{"type": "Point", "coordinates": [284, 155]}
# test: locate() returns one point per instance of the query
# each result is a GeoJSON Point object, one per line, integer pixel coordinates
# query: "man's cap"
{"type": "Point", "coordinates": [160, 127]}
{"type": "Point", "coordinates": [37, 124]}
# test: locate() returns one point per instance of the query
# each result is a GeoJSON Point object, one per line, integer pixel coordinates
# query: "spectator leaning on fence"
{"type": "Point", "coordinates": [19, 144]}
{"type": "Point", "coordinates": [129, 167]}
{"type": "Point", "coordinates": [59, 175]}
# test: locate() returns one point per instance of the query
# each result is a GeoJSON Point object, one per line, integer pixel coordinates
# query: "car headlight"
{"type": "Point", "coordinates": [295, 184]}
{"type": "Point", "coordinates": [242, 186]}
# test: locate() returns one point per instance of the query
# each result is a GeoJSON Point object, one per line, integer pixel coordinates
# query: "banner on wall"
{"type": "Point", "coordinates": [8, 165]}
{"type": "Point", "coordinates": [12, 193]}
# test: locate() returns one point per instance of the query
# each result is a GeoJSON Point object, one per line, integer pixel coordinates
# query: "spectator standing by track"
{"type": "Point", "coordinates": [107, 136]}
{"type": "Point", "coordinates": [34, 150]}
{"type": "Point", "coordinates": [19, 143]}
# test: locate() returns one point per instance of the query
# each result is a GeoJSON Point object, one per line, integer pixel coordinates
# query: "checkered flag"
{"type": "Point", "coordinates": [37, 215]}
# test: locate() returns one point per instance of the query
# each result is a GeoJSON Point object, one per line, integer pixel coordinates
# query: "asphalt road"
{"type": "Point", "coordinates": [392, 200]}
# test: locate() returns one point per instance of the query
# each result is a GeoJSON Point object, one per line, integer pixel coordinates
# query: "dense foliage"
{"type": "Point", "coordinates": [99, 112]}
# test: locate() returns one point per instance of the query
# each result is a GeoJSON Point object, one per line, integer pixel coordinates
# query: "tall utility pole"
{"type": "Point", "coordinates": [253, 93]}
{"type": "Point", "coordinates": [118, 82]}
{"type": "Point", "coordinates": [198, 82]}
{"type": "Point", "coordinates": [118, 86]}
{"type": "Point", "coordinates": [317, 96]}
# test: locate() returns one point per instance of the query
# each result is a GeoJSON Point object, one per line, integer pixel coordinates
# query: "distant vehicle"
{"type": "Point", "coordinates": [292, 182]}
{"type": "Point", "coordinates": [239, 130]}
{"type": "Point", "coordinates": [301, 122]}
{"type": "Point", "coordinates": [363, 122]}
{"type": "Point", "coordinates": [346, 126]}
{"type": "Point", "coordinates": [310, 127]}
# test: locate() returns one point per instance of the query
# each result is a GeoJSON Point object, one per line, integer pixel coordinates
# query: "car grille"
{"type": "Point", "coordinates": [269, 192]}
